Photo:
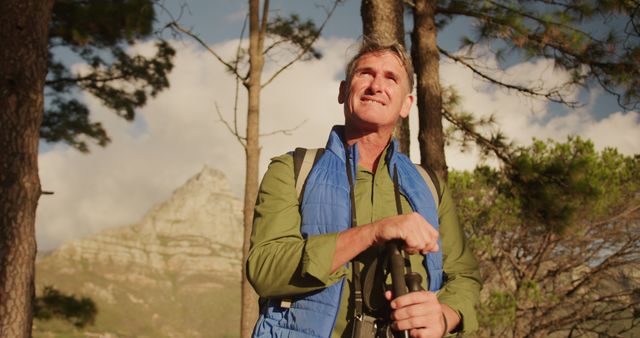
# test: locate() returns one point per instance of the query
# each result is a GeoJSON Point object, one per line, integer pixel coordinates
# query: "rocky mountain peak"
{"type": "Point", "coordinates": [199, 228]}
{"type": "Point", "coordinates": [203, 206]}
{"type": "Point", "coordinates": [208, 179]}
{"type": "Point", "coordinates": [175, 273]}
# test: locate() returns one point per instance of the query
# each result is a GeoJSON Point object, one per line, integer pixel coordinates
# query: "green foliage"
{"type": "Point", "coordinates": [55, 304]}
{"type": "Point", "coordinates": [142, 303]}
{"type": "Point", "coordinates": [100, 23]}
{"type": "Point", "coordinates": [285, 32]}
{"type": "Point", "coordinates": [557, 234]}
{"type": "Point", "coordinates": [498, 311]}
{"type": "Point", "coordinates": [466, 129]}
{"type": "Point", "coordinates": [554, 182]}
{"type": "Point", "coordinates": [298, 33]}
{"type": "Point", "coordinates": [99, 32]}
{"type": "Point", "coordinates": [564, 31]}
{"type": "Point", "coordinates": [65, 120]}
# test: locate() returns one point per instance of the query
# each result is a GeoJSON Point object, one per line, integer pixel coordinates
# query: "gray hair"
{"type": "Point", "coordinates": [369, 46]}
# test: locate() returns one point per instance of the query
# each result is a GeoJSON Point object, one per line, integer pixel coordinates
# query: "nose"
{"type": "Point", "coordinates": [376, 84]}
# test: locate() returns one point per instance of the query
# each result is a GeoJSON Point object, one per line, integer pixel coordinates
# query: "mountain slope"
{"type": "Point", "coordinates": [176, 273]}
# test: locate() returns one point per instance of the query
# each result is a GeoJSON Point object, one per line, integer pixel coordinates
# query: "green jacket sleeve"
{"type": "Point", "coordinates": [281, 262]}
{"type": "Point", "coordinates": [461, 291]}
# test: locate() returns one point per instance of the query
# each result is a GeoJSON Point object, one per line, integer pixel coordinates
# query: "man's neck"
{"type": "Point", "coordinates": [370, 147]}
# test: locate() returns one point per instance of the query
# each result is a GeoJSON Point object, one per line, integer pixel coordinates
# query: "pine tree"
{"type": "Point", "coordinates": [23, 67]}
{"type": "Point", "coordinates": [596, 41]}
{"type": "Point", "coordinates": [558, 240]}
{"type": "Point", "coordinates": [98, 33]}
{"type": "Point", "coordinates": [426, 60]}
{"type": "Point", "coordinates": [30, 34]}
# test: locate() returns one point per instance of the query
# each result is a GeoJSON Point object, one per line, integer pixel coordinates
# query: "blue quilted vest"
{"type": "Point", "coordinates": [326, 208]}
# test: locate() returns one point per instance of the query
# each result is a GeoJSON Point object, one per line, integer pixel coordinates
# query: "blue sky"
{"type": "Point", "coordinates": [221, 20]}
{"type": "Point", "coordinates": [179, 132]}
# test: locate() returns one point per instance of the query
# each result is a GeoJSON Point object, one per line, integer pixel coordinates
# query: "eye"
{"type": "Point", "coordinates": [365, 72]}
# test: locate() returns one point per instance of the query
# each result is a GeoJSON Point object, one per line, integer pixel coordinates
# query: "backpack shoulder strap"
{"type": "Point", "coordinates": [431, 179]}
{"type": "Point", "coordinates": [303, 161]}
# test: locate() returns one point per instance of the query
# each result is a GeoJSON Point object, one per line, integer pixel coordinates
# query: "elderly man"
{"type": "Point", "coordinates": [318, 261]}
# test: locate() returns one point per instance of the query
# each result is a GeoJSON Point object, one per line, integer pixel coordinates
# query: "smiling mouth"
{"type": "Point", "coordinates": [371, 101]}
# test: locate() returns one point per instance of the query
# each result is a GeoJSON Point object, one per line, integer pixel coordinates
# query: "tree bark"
{"type": "Point", "coordinates": [426, 59]}
{"type": "Point", "coordinates": [23, 68]}
{"type": "Point", "coordinates": [383, 21]}
{"type": "Point", "coordinates": [252, 152]}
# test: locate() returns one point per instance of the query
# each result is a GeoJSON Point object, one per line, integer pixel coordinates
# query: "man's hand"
{"type": "Point", "coordinates": [417, 234]}
{"type": "Point", "coordinates": [419, 312]}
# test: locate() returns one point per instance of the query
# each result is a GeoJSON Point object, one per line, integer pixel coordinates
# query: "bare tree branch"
{"type": "Point", "coordinates": [502, 154]}
{"type": "Point", "coordinates": [543, 22]}
{"type": "Point", "coordinates": [89, 78]}
{"type": "Point", "coordinates": [285, 131]}
{"type": "Point", "coordinates": [233, 132]}
{"type": "Point", "coordinates": [238, 80]}
{"type": "Point", "coordinates": [273, 45]}
{"type": "Point", "coordinates": [623, 214]}
{"type": "Point", "coordinates": [608, 263]}
{"type": "Point", "coordinates": [552, 95]}
{"type": "Point", "coordinates": [183, 6]}
{"type": "Point", "coordinates": [535, 263]}
{"type": "Point", "coordinates": [175, 25]}
{"type": "Point", "coordinates": [306, 49]}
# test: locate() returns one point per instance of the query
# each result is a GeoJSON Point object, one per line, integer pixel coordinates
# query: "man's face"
{"type": "Point", "coordinates": [377, 94]}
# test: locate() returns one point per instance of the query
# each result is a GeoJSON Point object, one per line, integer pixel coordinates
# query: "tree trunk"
{"type": "Point", "coordinates": [382, 20]}
{"type": "Point", "coordinates": [252, 151]}
{"type": "Point", "coordinates": [426, 58]}
{"type": "Point", "coordinates": [23, 67]}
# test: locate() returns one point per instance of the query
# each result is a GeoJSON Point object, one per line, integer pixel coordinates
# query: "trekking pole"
{"type": "Point", "coordinates": [398, 282]}
{"type": "Point", "coordinates": [402, 281]}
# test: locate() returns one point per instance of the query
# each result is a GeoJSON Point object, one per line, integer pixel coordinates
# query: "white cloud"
{"type": "Point", "coordinates": [523, 118]}
{"type": "Point", "coordinates": [619, 130]}
{"type": "Point", "coordinates": [179, 132]}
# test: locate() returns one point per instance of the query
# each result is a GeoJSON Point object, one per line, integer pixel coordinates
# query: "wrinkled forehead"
{"type": "Point", "coordinates": [378, 55]}
{"type": "Point", "coordinates": [397, 66]}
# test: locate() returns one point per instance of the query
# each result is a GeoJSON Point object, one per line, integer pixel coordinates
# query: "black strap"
{"type": "Point", "coordinates": [372, 275]}
{"type": "Point", "coordinates": [354, 220]}
{"type": "Point", "coordinates": [396, 255]}
{"type": "Point", "coordinates": [396, 191]}
{"type": "Point", "coordinates": [355, 268]}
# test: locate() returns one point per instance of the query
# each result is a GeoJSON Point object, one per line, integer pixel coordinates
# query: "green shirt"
{"type": "Point", "coordinates": [282, 263]}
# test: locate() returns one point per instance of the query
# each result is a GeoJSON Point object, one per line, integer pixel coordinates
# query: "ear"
{"type": "Point", "coordinates": [406, 106]}
{"type": "Point", "coordinates": [342, 92]}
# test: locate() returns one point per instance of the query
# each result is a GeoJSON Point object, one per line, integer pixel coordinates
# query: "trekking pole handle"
{"type": "Point", "coordinates": [397, 269]}
{"type": "Point", "coordinates": [398, 281]}
{"type": "Point", "coordinates": [414, 281]}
